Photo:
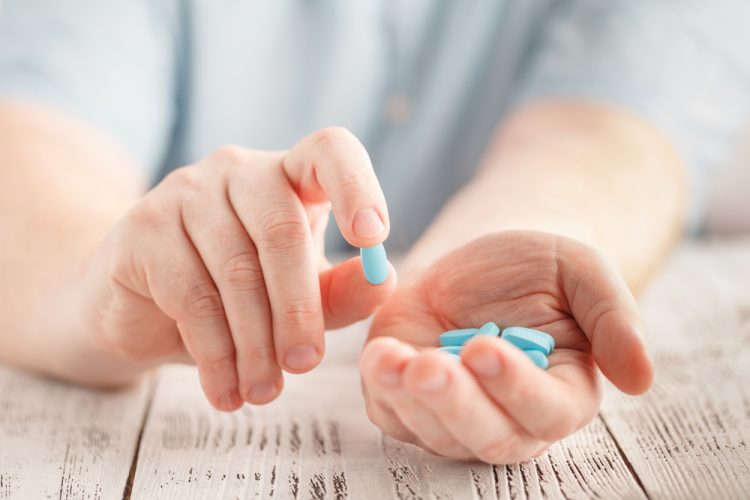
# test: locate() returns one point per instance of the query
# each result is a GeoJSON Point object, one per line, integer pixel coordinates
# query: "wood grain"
{"type": "Point", "coordinates": [316, 442]}
{"type": "Point", "coordinates": [61, 441]}
{"type": "Point", "coordinates": [688, 437]}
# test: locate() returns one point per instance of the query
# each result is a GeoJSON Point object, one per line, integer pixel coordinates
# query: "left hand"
{"type": "Point", "coordinates": [495, 405]}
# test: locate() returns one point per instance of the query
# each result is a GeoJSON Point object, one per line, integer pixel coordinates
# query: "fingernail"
{"type": "Point", "coordinates": [301, 358]}
{"type": "Point", "coordinates": [485, 364]}
{"type": "Point", "coordinates": [433, 382]}
{"type": "Point", "coordinates": [367, 223]}
{"type": "Point", "coordinates": [261, 392]}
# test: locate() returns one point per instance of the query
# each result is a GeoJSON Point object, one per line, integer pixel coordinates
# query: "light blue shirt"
{"type": "Point", "coordinates": [423, 83]}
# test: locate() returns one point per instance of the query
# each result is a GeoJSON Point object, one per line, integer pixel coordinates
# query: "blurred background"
{"type": "Point", "coordinates": [729, 207]}
{"type": "Point", "coordinates": [417, 82]}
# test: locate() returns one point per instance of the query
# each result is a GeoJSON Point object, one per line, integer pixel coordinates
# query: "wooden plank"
{"type": "Point", "coordinates": [688, 437]}
{"type": "Point", "coordinates": [62, 441]}
{"type": "Point", "coordinates": [316, 442]}
{"type": "Point", "coordinates": [685, 439]}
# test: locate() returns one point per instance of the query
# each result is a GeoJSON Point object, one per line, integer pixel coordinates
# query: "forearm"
{"type": "Point", "coordinates": [595, 174]}
{"type": "Point", "coordinates": [62, 186]}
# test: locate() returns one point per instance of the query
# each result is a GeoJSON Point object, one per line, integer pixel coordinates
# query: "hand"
{"type": "Point", "coordinates": [223, 263]}
{"type": "Point", "coordinates": [494, 404]}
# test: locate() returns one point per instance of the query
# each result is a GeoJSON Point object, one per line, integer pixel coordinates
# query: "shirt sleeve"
{"type": "Point", "coordinates": [682, 64]}
{"type": "Point", "coordinates": [111, 63]}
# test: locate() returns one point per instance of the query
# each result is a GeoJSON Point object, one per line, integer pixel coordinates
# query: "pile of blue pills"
{"type": "Point", "coordinates": [537, 345]}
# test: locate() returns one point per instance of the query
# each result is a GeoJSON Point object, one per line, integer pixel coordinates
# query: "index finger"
{"type": "Point", "coordinates": [332, 165]}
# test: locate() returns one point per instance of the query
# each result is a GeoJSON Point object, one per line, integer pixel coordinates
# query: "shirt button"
{"type": "Point", "coordinates": [398, 109]}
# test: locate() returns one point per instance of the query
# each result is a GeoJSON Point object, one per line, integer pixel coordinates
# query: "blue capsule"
{"type": "Point", "coordinates": [457, 337]}
{"type": "Point", "coordinates": [538, 358]}
{"type": "Point", "coordinates": [529, 339]}
{"type": "Point", "coordinates": [489, 328]}
{"type": "Point", "coordinates": [374, 264]}
{"type": "Point", "coordinates": [537, 345]}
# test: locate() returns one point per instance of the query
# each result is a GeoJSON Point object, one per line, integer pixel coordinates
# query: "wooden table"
{"type": "Point", "coordinates": [689, 437]}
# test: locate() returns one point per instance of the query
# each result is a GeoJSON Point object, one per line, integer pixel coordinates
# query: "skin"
{"type": "Point", "coordinates": [609, 194]}
{"type": "Point", "coordinates": [495, 404]}
{"type": "Point", "coordinates": [222, 264]}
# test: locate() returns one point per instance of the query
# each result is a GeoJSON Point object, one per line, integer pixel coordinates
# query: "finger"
{"type": "Point", "coordinates": [387, 421]}
{"type": "Point", "coordinates": [604, 307]}
{"type": "Point", "coordinates": [549, 405]}
{"type": "Point", "coordinates": [348, 297]}
{"type": "Point", "coordinates": [450, 391]}
{"type": "Point", "coordinates": [383, 376]}
{"type": "Point", "coordinates": [232, 260]}
{"type": "Point", "coordinates": [379, 413]}
{"type": "Point", "coordinates": [318, 215]}
{"type": "Point", "coordinates": [332, 164]}
{"type": "Point", "coordinates": [276, 221]}
{"type": "Point", "coordinates": [176, 280]}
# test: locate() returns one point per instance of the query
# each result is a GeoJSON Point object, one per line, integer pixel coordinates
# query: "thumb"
{"type": "Point", "coordinates": [348, 297]}
{"type": "Point", "coordinates": [606, 311]}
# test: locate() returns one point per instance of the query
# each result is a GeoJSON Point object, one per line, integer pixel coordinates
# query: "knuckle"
{"type": "Point", "coordinates": [332, 137]}
{"type": "Point", "coordinates": [203, 301]}
{"type": "Point", "coordinates": [243, 272]}
{"type": "Point", "coordinates": [282, 229]}
{"type": "Point", "coordinates": [189, 178]}
{"type": "Point", "coordinates": [497, 452]}
{"type": "Point", "coordinates": [301, 314]}
{"type": "Point", "coordinates": [229, 154]}
{"type": "Point", "coordinates": [561, 427]}
{"type": "Point", "coordinates": [258, 354]}
{"type": "Point", "coordinates": [350, 179]}
{"type": "Point", "coordinates": [216, 364]}
{"type": "Point", "coordinates": [146, 215]}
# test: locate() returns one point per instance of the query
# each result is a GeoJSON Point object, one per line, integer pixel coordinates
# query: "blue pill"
{"type": "Point", "coordinates": [452, 349]}
{"type": "Point", "coordinates": [489, 328]}
{"type": "Point", "coordinates": [538, 358]}
{"type": "Point", "coordinates": [529, 339]}
{"type": "Point", "coordinates": [374, 264]}
{"type": "Point", "coordinates": [457, 337]}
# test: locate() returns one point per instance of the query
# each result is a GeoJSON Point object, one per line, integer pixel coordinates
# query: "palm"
{"type": "Point", "coordinates": [510, 279]}
{"type": "Point", "coordinates": [513, 409]}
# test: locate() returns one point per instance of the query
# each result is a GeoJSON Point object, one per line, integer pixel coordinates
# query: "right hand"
{"type": "Point", "coordinates": [222, 263]}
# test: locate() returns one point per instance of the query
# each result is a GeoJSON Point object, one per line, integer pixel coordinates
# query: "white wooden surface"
{"type": "Point", "coordinates": [60, 441]}
{"type": "Point", "coordinates": [316, 442]}
{"type": "Point", "coordinates": [688, 438]}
